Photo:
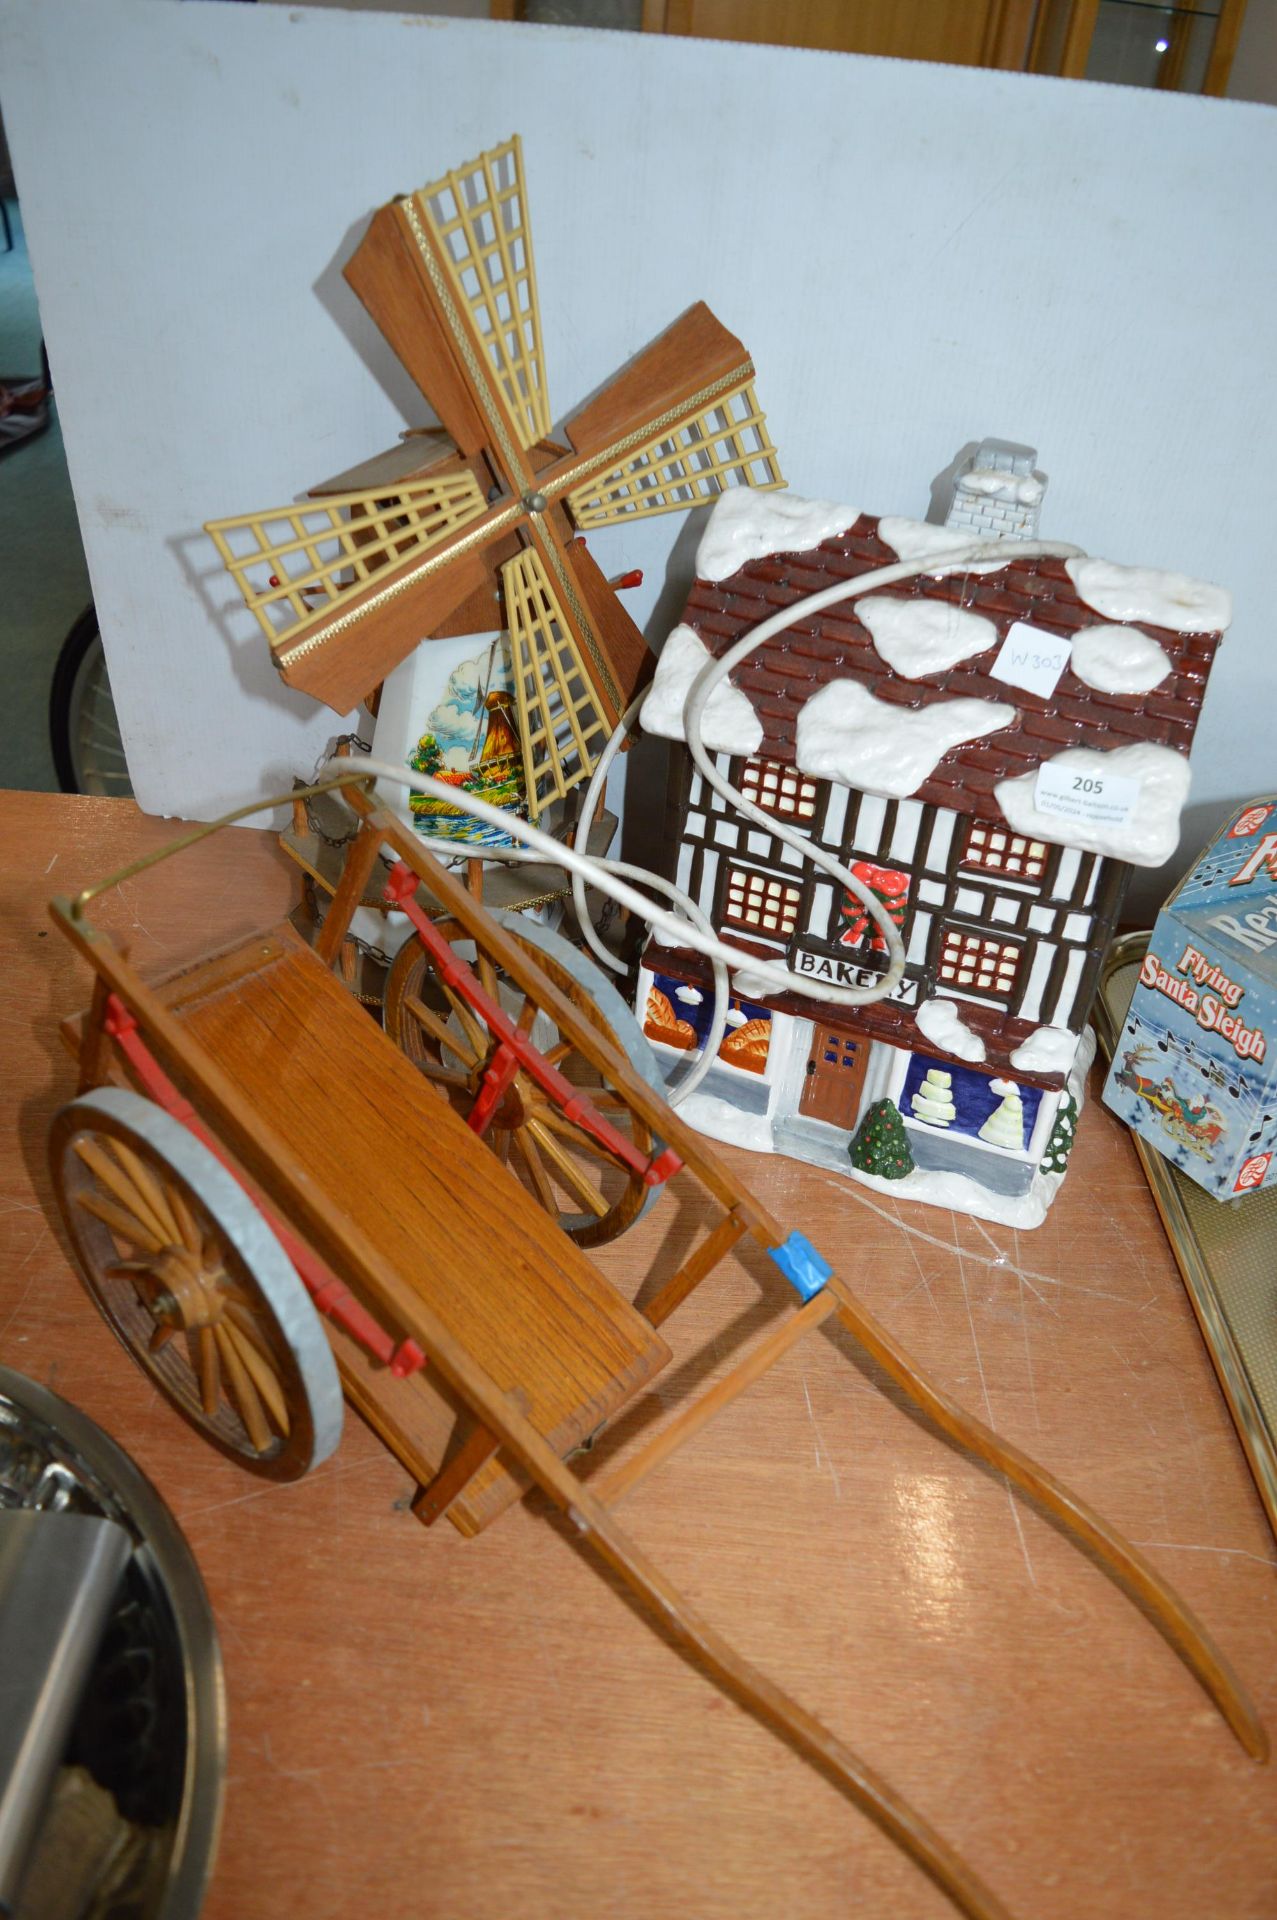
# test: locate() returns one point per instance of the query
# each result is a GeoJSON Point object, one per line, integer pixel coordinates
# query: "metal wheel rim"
{"type": "Point", "coordinates": [93, 729]}
{"type": "Point", "coordinates": [297, 1345]}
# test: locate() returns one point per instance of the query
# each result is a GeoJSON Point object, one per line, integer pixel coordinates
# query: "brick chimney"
{"type": "Point", "coordinates": [998, 495]}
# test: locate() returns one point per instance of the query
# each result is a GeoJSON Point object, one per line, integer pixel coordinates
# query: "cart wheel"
{"type": "Point", "coordinates": [194, 1284]}
{"type": "Point", "coordinates": [560, 1164]}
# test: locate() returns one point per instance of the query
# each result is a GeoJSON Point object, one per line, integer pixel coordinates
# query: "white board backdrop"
{"type": "Point", "coordinates": [916, 256]}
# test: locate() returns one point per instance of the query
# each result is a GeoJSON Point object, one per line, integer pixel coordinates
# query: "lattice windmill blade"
{"type": "Point", "coordinates": [679, 425]}
{"type": "Point", "coordinates": [298, 566]}
{"type": "Point", "coordinates": [561, 728]}
{"type": "Point", "coordinates": [478, 218]}
{"type": "Point", "coordinates": [726, 446]}
{"type": "Point", "coordinates": [448, 275]}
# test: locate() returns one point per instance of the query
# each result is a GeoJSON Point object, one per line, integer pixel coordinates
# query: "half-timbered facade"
{"type": "Point", "coordinates": [1008, 926]}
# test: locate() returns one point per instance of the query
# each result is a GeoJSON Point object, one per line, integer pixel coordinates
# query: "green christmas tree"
{"type": "Point", "coordinates": [1063, 1134]}
{"type": "Point", "coordinates": [881, 1144]}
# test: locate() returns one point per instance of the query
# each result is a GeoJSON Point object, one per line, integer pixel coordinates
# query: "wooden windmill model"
{"type": "Point", "coordinates": [345, 586]}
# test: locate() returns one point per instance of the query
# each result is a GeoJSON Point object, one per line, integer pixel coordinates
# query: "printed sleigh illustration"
{"type": "Point", "coordinates": [1196, 1073]}
{"type": "Point", "coordinates": [1199, 1125]}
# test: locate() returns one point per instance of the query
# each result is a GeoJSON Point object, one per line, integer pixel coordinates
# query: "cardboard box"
{"type": "Point", "coordinates": [1195, 1070]}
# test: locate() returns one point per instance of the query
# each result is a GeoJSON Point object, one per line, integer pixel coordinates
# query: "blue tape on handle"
{"type": "Point", "coordinates": [804, 1268]}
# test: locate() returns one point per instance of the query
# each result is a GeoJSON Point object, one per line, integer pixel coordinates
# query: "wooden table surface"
{"type": "Point", "coordinates": [421, 1725]}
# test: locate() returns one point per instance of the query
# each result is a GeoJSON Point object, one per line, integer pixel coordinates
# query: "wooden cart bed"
{"type": "Point", "coordinates": [522, 1298]}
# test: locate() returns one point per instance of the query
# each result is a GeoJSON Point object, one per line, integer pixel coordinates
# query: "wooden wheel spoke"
{"type": "Point", "coordinates": [118, 1183]}
{"type": "Point", "coordinates": [526, 1148]}
{"type": "Point", "coordinates": [125, 1225]}
{"type": "Point", "coordinates": [578, 1135]}
{"type": "Point", "coordinates": [446, 1076]}
{"type": "Point", "coordinates": [242, 1317]}
{"type": "Point", "coordinates": [555, 1055]}
{"type": "Point", "coordinates": [488, 976]}
{"type": "Point", "coordinates": [241, 1391]}
{"type": "Point", "coordinates": [151, 1189]}
{"type": "Point", "coordinates": [187, 1226]}
{"type": "Point", "coordinates": [527, 1014]}
{"type": "Point", "coordinates": [209, 1372]}
{"type": "Point", "coordinates": [473, 1028]}
{"type": "Point", "coordinates": [129, 1269]}
{"type": "Point", "coordinates": [568, 1171]}
{"type": "Point", "coordinates": [161, 1333]}
{"type": "Point", "coordinates": [263, 1374]}
{"type": "Point", "coordinates": [440, 1032]}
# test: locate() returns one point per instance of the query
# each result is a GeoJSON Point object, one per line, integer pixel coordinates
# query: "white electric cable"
{"type": "Point", "coordinates": [694, 930]}
{"type": "Point", "coordinates": [678, 1091]}
{"type": "Point", "coordinates": [714, 671]}
{"type": "Point", "coordinates": [589, 805]}
{"type": "Point", "coordinates": [773, 973]}
{"type": "Point", "coordinates": [693, 914]}
{"type": "Point", "coordinates": [691, 927]}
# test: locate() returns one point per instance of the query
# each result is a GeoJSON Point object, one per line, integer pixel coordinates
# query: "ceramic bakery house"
{"type": "Point", "coordinates": [991, 752]}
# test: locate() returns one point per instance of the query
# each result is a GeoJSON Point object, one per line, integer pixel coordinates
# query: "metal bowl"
{"type": "Point", "coordinates": [149, 1740]}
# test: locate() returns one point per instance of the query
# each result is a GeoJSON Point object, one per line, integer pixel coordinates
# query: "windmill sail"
{"type": "Point", "coordinates": [345, 586]}
{"type": "Point", "coordinates": [297, 565]}
{"type": "Point", "coordinates": [726, 445]}
{"type": "Point", "coordinates": [677, 425]}
{"type": "Point", "coordinates": [560, 727]}
{"type": "Point", "coordinates": [478, 217]}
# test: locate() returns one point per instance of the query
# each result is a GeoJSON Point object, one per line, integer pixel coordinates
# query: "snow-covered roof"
{"type": "Point", "coordinates": [1134, 648]}
{"type": "Point", "coordinates": [728, 724]}
{"type": "Point", "coordinates": [748, 522]}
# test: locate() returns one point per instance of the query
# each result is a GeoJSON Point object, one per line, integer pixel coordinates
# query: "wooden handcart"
{"type": "Point", "coordinates": [274, 1205]}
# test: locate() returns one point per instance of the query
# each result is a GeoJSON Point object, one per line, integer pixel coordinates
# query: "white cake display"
{"type": "Point", "coordinates": [933, 1102]}
{"type": "Point", "coordinates": [1005, 1125]}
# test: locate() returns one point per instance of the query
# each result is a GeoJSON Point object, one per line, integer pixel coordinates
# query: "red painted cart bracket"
{"type": "Point", "coordinates": [401, 891]}
{"type": "Point", "coordinates": [322, 1284]}
{"type": "Point", "coordinates": [499, 1073]}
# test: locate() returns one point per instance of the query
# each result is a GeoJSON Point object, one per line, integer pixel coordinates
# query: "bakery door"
{"type": "Point", "coordinates": [835, 1075]}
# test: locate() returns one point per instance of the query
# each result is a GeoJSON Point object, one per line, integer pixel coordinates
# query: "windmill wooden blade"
{"type": "Point", "coordinates": [679, 425]}
{"type": "Point", "coordinates": [296, 566]}
{"type": "Point", "coordinates": [392, 278]}
{"type": "Point", "coordinates": [560, 726]}
{"type": "Point", "coordinates": [477, 217]}
{"type": "Point", "coordinates": [621, 642]}
{"type": "Point", "coordinates": [343, 587]}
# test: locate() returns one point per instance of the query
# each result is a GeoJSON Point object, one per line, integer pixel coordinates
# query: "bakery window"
{"type": "Point", "coordinates": [747, 1040]}
{"type": "Point", "coordinates": [978, 962]}
{"type": "Point", "coordinates": [779, 789]}
{"type": "Point", "coordinates": [759, 902]}
{"type": "Point", "coordinates": [995, 850]}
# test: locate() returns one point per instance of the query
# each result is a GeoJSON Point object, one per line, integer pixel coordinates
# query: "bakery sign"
{"type": "Point", "coordinates": [839, 973]}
